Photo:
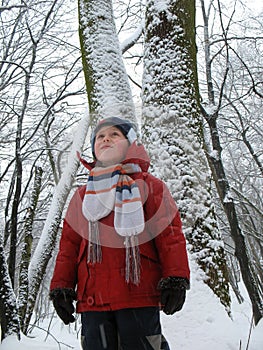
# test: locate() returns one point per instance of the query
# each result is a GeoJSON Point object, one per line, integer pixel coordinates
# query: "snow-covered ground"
{"type": "Point", "coordinates": [203, 324]}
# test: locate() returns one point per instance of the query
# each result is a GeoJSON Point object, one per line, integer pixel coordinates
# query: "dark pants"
{"type": "Point", "coordinates": [126, 329]}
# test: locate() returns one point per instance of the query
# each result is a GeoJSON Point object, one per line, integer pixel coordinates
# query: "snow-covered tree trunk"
{"type": "Point", "coordinates": [107, 83]}
{"type": "Point", "coordinates": [27, 247]}
{"type": "Point", "coordinates": [45, 247]}
{"type": "Point", "coordinates": [172, 128]}
{"type": "Point", "coordinates": [8, 308]}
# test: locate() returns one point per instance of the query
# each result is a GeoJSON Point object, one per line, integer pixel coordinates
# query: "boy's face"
{"type": "Point", "coordinates": [110, 145]}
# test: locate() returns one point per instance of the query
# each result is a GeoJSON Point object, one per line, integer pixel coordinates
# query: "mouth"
{"type": "Point", "coordinates": [105, 147]}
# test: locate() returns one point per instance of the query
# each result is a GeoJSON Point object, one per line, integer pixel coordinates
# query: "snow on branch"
{"type": "Point", "coordinates": [132, 39]}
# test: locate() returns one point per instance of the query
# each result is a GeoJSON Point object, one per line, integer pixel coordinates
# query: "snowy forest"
{"type": "Point", "coordinates": [189, 74]}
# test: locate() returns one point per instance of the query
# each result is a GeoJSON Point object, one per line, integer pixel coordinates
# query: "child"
{"type": "Point", "coordinates": [122, 252]}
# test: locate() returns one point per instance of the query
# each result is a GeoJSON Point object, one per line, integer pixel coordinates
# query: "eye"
{"type": "Point", "coordinates": [100, 136]}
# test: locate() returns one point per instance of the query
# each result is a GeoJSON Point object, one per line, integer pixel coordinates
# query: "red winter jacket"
{"type": "Point", "coordinates": [102, 286]}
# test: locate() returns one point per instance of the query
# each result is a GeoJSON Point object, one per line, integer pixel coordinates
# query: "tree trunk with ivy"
{"type": "Point", "coordinates": [172, 127]}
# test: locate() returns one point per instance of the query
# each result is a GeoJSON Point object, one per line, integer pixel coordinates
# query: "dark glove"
{"type": "Point", "coordinates": [63, 304]}
{"type": "Point", "coordinates": [173, 292]}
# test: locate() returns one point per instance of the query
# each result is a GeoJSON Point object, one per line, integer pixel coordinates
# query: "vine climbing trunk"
{"type": "Point", "coordinates": [173, 131]}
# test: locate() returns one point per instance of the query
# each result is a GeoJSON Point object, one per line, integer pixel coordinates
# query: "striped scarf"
{"type": "Point", "coordinates": [111, 188]}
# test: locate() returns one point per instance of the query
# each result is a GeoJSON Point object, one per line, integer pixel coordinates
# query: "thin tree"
{"type": "Point", "coordinates": [8, 306]}
{"type": "Point", "coordinates": [214, 154]}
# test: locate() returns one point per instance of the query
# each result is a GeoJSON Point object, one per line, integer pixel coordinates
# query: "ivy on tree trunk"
{"type": "Point", "coordinates": [173, 132]}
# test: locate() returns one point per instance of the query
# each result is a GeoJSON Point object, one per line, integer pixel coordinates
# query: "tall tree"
{"type": "Point", "coordinates": [107, 84]}
{"type": "Point", "coordinates": [172, 128]}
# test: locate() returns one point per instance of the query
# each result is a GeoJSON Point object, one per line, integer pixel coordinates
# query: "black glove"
{"type": "Point", "coordinates": [63, 304]}
{"type": "Point", "coordinates": [173, 292]}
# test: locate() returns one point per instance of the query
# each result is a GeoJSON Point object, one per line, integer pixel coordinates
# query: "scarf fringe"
{"type": "Point", "coordinates": [94, 247]}
{"type": "Point", "coordinates": [132, 273]}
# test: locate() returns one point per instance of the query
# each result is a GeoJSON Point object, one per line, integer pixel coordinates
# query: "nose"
{"type": "Point", "coordinates": [106, 138]}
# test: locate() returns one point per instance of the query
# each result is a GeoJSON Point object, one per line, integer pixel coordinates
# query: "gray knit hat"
{"type": "Point", "coordinates": [126, 127]}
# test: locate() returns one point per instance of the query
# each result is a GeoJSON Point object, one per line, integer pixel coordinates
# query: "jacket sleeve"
{"type": "Point", "coordinates": [166, 228]}
{"type": "Point", "coordinates": [65, 272]}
